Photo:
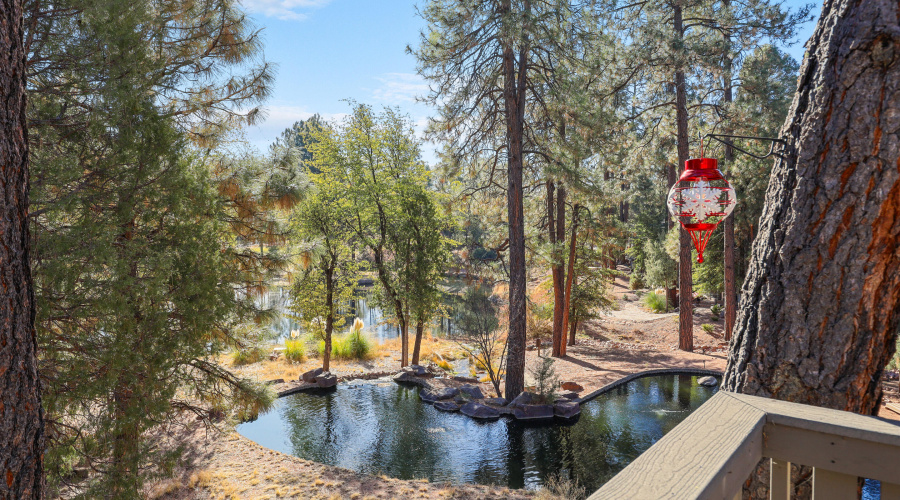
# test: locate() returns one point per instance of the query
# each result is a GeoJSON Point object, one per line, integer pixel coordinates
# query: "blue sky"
{"type": "Point", "coordinates": [330, 50]}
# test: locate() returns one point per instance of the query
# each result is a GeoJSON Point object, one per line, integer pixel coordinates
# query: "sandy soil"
{"type": "Point", "coordinates": [628, 340]}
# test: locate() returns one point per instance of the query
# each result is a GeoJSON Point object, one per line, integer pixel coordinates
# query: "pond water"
{"type": "Point", "coordinates": [383, 428]}
{"type": "Point", "coordinates": [362, 307]}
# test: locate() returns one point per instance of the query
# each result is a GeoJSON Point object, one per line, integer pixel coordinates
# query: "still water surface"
{"type": "Point", "coordinates": [383, 428]}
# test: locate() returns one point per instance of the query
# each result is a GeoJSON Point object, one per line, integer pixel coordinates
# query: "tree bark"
{"type": "Point", "coordinates": [559, 297]}
{"type": "Point", "coordinates": [514, 77]}
{"type": "Point", "coordinates": [420, 330]}
{"type": "Point", "coordinates": [728, 226]}
{"type": "Point", "coordinates": [820, 307]}
{"type": "Point", "coordinates": [21, 413]}
{"type": "Point", "coordinates": [329, 320]}
{"type": "Point", "coordinates": [685, 278]}
{"type": "Point", "coordinates": [570, 279]}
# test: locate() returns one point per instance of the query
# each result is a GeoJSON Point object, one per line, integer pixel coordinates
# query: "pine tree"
{"type": "Point", "coordinates": [21, 415]}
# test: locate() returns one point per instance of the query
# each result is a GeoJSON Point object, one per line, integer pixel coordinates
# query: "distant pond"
{"type": "Point", "coordinates": [362, 307]}
{"type": "Point", "coordinates": [383, 428]}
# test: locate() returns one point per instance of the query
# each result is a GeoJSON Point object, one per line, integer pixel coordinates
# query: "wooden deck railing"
{"type": "Point", "coordinates": [713, 451]}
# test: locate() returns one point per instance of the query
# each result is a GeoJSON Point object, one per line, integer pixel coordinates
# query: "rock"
{"type": "Point", "coordinates": [479, 411]}
{"type": "Point", "coordinates": [571, 386]}
{"type": "Point", "coordinates": [708, 381]}
{"type": "Point", "coordinates": [569, 395]}
{"type": "Point", "coordinates": [437, 394]}
{"type": "Point", "coordinates": [471, 392]}
{"type": "Point", "coordinates": [524, 398]}
{"type": "Point", "coordinates": [495, 401]}
{"type": "Point", "coordinates": [417, 370]}
{"type": "Point", "coordinates": [275, 381]}
{"type": "Point", "coordinates": [468, 380]}
{"type": "Point", "coordinates": [567, 409]}
{"type": "Point", "coordinates": [446, 406]}
{"type": "Point", "coordinates": [409, 378]}
{"type": "Point", "coordinates": [530, 348]}
{"type": "Point", "coordinates": [533, 412]}
{"type": "Point", "coordinates": [326, 380]}
{"type": "Point", "coordinates": [311, 375]}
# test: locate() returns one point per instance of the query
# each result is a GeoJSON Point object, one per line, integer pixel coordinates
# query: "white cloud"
{"type": "Point", "coordinates": [280, 117]}
{"type": "Point", "coordinates": [397, 88]}
{"type": "Point", "coordinates": [288, 10]}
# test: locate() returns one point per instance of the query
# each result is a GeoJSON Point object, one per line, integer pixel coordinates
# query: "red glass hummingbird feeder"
{"type": "Point", "coordinates": [700, 200]}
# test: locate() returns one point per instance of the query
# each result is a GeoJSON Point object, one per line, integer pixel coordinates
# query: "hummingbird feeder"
{"type": "Point", "coordinates": [700, 200]}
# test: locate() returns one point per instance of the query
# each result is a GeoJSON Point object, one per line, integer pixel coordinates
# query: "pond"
{"type": "Point", "coordinates": [383, 428]}
{"type": "Point", "coordinates": [362, 307]}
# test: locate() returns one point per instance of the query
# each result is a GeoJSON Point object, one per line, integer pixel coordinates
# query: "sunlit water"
{"type": "Point", "coordinates": [383, 428]}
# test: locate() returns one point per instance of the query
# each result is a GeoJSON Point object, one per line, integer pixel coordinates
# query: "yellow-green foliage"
{"type": "Point", "coordinates": [354, 345]}
{"type": "Point", "coordinates": [248, 356]}
{"type": "Point", "coordinates": [295, 350]}
{"type": "Point", "coordinates": [442, 363]}
{"type": "Point", "coordinates": [655, 302]}
{"type": "Point", "coordinates": [707, 327]}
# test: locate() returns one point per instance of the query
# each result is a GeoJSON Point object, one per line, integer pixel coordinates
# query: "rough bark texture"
{"type": "Point", "coordinates": [685, 277]}
{"type": "Point", "coordinates": [728, 225]}
{"type": "Point", "coordinates": [420, 330]}
{"type": "Point", "coordinates": [329, 320]}
{"type": "Point", "coordinates": [559, 276]}
{"type": "Point", "coordinates": [820, 307]}
{"type": "Point", "coordinates": [570, 279]}
{"type": "Point", "coordinates": [21, 414]}
{"type": "Point", "coordinates": [514, 97]}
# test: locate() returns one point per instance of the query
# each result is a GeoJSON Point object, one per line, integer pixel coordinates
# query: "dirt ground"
{"type": "Point", "coordinates": [627, 340]}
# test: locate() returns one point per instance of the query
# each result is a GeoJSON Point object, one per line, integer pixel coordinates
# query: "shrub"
{"type": "Point", "coordinates": [707, 327]}
{"type": "Point", "coordinates": [295, 350]}
{"type": "Point", "coordinates": [561, 488]}
{"type": "Point", "coordinates": [655, 302]}
{"type": "Point", "coordinates": [248, 356]}
{"type": "Point", "coordinates": [716, 311]}
{"type": "Point", "coordinates": [636, 282]}
{"type": "Point", "coordinates": [545, 380]}
{"type": "Point", "coordinates": [354, 345]}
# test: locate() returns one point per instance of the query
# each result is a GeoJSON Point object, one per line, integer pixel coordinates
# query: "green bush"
{"type": "Point", "coordinates": [248, 356]}
{"type": "Point", "coordinates": [295, 350]}
{"type": "Point", "coordinates": [655, 302]}
{"type": "Point", "coordinates": [354, 345]}
{"type": "Point", "coordinates": [636, 282]}
{"type": "Point", "coordinates": [716, 311]}
{"type": "Point", "coordinates": [707, 327]}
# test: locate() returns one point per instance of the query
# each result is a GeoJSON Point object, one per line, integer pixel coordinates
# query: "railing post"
{"type": "Point", "coordinates": [779, 480]}
{"type": "Point", "coordinates": [831, 485]}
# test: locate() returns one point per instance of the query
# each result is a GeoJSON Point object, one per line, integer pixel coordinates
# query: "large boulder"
{"type": "Point", "coordinates": [446, 406]}
{"type": "Point", "coordinates": [708, 381]}
{"type": "Point", "coordinates": [467, 380]}
{"type": "Point", "coordinates": [495, 401]}
{"type": "Point", "coordinates": [566, 409]}
{"type": "Point", "coordinates": [310, 376]}
{"type": "Point", "coordinates": [326, 380]}
{"type": "Point", "coordinates": [533, 412]}
{"type": "Point", "coordinates": [471, 392]}
{"type": "Point", "coordinates": [569, 395]}
{"type": "Point", "coordinates": [405, 377]}
{"type": "Point", "coordinates": [524, 398]}
{"type": "Point", "coordinates": [438, 394]}
{"type": "Point", "coordinates": [479, 411]}
{"type": "Point", "coordinates": [417, 370]}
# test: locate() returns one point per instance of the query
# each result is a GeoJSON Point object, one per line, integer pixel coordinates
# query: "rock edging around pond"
{"type": "Point", "coordinates": [458, 394]}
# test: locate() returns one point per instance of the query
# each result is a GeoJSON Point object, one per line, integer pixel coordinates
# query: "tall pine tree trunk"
{"type": "Point", "coordinates": [728, 225]}
{"type": "Point", "coordinates": [820, 307]}
{"type": "Point", "coordinates": [570, 279]}
{"type": "Point", "coordinates": [21, 413]}
{"type": "Point", "coordinates": [559, 296]}
{"type": "Point", "coordinates": [420, 330]}
{"type": "Point", "coordinates": [514, 74]}
{"type": "Point", "coordinates": [329, 320]}
{"type": "Point", "coordinates": [685, 278]}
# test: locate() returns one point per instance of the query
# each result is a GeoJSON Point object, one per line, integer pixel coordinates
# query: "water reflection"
{"type": "Point", "coordinates": [385, 429]}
